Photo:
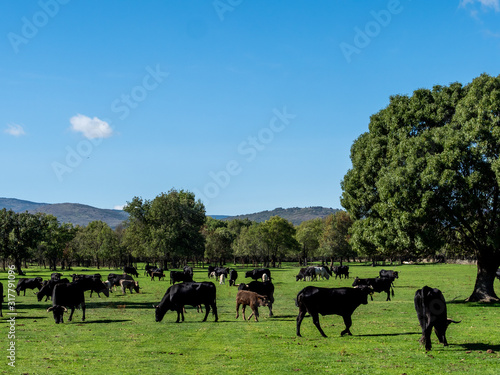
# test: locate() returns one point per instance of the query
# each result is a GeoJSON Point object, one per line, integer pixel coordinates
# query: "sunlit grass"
{"type": "Point", "coordinates": [120, 334]}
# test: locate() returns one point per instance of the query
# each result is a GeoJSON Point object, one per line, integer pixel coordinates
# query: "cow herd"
{"type": "Point", "coordinates": [429, 303]}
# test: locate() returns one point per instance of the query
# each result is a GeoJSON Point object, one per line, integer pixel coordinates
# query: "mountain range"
{"type": "Point", "coordinates": [80, 214]}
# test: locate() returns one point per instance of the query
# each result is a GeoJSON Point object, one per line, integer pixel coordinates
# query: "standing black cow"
{"type": "Point", "coordinates": [378, 285]}
{"type": "Point", "coordinates": [233, 275]}
{"type": "Point", "coordinates": [24, 284]}
{"type": "Point", "coordinates": [193, 294]}
{"type": "Point", "coordinates": [178, 276]}
{"type": "Point", "coordinates": [130, 270]}
{"type": "Point", "coordinates": [393, 275]}
{"type": "Point", "coordinates": [257, 273]}
{"type": "Point", "coordinates": [265, 288]}
{"type": "Point", "coordinates": [92, 283]}
{"type": "Point", "coordinates": [340, 271]}
{"type": "Point", "coordinates": [328, 301]}
{"type": "Point", "coordinates": [64, 296]}
{"type": "Point", "coordinates": [431, 312]}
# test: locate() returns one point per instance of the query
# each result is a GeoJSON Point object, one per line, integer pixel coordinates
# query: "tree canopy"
{"type": "Point", "coordinates": [426, 176]}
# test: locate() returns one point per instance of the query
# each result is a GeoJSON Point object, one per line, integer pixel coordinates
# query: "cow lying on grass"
{"type": "Point", "coordinates": [247, 298]}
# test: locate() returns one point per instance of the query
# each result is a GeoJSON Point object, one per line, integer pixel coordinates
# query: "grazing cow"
{"type": "Point", "coordinates": [328, 301]}
{"type": "Point", "coordinates": [393, 275]}
{"type": "Point", "coordinates": [64, 296]}
{"type": "Point", "coordinates": [92, 283]}
{"type": "Point", "coordinates": [48, 288]}
{"type": "Point", "coordinates": [301, 275]}
{"type": "Point", "coordinates": [130, 270]}
{"type": "Point", "coordinates": [148, 269]}
{"type": "Point", "coordinates": [322, 272]}
{"type": "Point", "coordinates": [257, 273]}
{"type": "Point", "coordinates": [159, 274]}
{"type": "Point", "coordinates": [252, 299]}
{"type": "Point", "coordinates": [264, 289]}
{"type": "Point", "coordinates": [178, 276]}
{"type": "Point", "coordinates": [193, 294]}
{"type": "Point", "coordinates": [310, 274]}
{"type": "Point", "coordinates": [378, 285]}
{"type": "Point", "coordinates": [210, 270]}
{"type": "Point", "coordinates": [431, 312]}
{"type": "Point", "coordinates": [222, 279]}
{"type": "Point", "coordinates": [340, 271]}
{"type": "Point", "coordinates": [1, 298]}
{"type": "Point", "coordinates": [233, 275]}
{"type": "Point", "coordinates": [130, 285]}
{"type": "Point", "coordinates": [114, 280]}
{"type": "Point", "coordinates": [24, 284]}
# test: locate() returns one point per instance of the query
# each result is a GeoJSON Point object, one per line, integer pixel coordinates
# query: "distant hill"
{"type": "Point", "coordinates": [77, 214]}
{"type": "Point", "coordinates": [295, 215]}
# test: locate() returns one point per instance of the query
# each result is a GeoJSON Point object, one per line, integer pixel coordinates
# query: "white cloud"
{"type": "Point", "coordinates": [91, 127]}
{"type": "Point", "coordinates": [15, 129]}
{"type": "Point", "coordinates": [495, 4]}
{"type": "Point", "coordinates": [119, 207]}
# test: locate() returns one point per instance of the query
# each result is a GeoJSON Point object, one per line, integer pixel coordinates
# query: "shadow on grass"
{"type": "Point", "coordinates": [478, 347]}
{"type": "Point", "coordinates": [100, 321]}
{"type": "Point", "coordinates": [473, 304]}
{"type": "Point", "coordinates": [391, 334]}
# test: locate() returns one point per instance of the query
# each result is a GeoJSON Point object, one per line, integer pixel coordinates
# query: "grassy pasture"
{"type": "Point", "coordinates": [120, 334]}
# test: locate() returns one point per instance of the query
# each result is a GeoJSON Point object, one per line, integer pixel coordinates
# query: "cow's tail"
{"type": "Point", "coordinates": [298, 300]}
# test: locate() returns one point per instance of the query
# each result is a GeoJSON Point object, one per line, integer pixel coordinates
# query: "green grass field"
{"type": "Point", "coordinates": [120, 335]}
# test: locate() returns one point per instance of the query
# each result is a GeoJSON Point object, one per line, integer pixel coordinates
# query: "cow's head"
{"type": "Point", "coordinates": [366, 290]}
{"type": "Point", "coordinates": [136, 287]}
{"type": "Point", "coordinates": [262, 300]}
{"type": "Point", "coordinates": [159, 313]}
{"type": "Point", "coordinates": [58, 312]}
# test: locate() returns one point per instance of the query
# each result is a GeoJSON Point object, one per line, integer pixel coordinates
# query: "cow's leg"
{"type": "Point", "coordinates": [243, 310]}
{"type": "Point", "coordinates": [315, 317]}
{"type": "Point", "coordinates": [348, 324]}
{"type": "Point", "coordinates": [214, 308]}
{"type": "Point", "coordinates": [83, 311]}
{"type": "Point", "coordinates": [426, 333]}
{"type": "Point", "coordinates": [300, 317]}
{"type": "Point", "coordinates": [237, 310]}
{"type": "Point", "coordinates": [270, 309]}
{"type": "Point", "coordinates": [207, 310]}
{"type": "Point", "coordinates": [71, 314]}
{"type": "Point", "coordinates": [441, 334]}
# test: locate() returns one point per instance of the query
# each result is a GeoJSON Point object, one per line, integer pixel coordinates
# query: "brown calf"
{"type": "Point", "coordinates": [252, 299]}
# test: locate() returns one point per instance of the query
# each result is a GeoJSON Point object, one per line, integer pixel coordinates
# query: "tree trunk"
{"type": "Point", "coordinates": [487, 264]}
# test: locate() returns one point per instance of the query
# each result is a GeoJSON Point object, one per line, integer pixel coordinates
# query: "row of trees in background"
{"type": "Point", "coordinates": [170, 230]}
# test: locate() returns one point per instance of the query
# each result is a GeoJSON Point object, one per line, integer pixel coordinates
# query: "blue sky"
{"type": "Point", "coordinates": [252, 105]}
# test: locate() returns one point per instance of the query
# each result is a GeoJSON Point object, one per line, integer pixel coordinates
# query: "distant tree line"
{"type": "Point", "coordinates": [171, 230]}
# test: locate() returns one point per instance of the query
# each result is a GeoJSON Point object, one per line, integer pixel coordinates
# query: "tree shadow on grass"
{"type": "Point", "coordinates": [473, 304]}
{"type": "Point", "coordinates": [478, 347]}
{"type": "Point", "coordinates": [100, 321]}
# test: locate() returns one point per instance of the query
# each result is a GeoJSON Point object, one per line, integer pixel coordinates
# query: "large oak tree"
{"type": "Point", "coordinates": [426, 176]}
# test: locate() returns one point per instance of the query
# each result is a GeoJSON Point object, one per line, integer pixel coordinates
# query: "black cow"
{"type": "Point", "coordinates": [157, 273]}
{"type": "Point", "coordinates": [233, 275]}
{"type": "Point", "coordinates": [64, 296]}
{"type": "Point", "coordinates": [55, 276]}
{"type": "Point", "coordinates": [378, 285]}
{"type": "Point", "coordinates": [340, 271]}
{"type": "Point", "coordinates": [48, 288]}
{"type": "Point", "coordinates": [193, 294]}
{"type": "Point", "coordinates": [24, 284]}
{"type": "Point", "coordinates": [178, 276]}
{"type": "Point", "coordinates": [210, 270]}
{"type": "Point", "coordinates": [148, 269]}
{"type": "Point", "coordinates": [189, 271]}
{"type": "Point", "coordinates": [393, 275]}
{"type": "Point", "coordinates": [92, 283]}
{"type": "Point", "coordinates": [301, 275]}
{"type": "Point", "coordinates": [130, 270]}
{"type": "Point", "coordinates": [431, 312]}
{"type": "Point", "coordinates": [114, 280]}
{"type": "Point", "coordinates": [217, 271]}
{"type": "Point", "coordinates": [265, 288]}
{"type": "Point", "coordinates": [328, 301]}
{"type": "Point", "coordinates": [257, 273]}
